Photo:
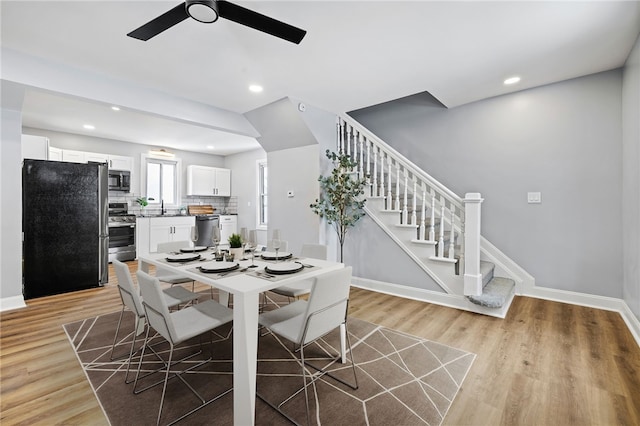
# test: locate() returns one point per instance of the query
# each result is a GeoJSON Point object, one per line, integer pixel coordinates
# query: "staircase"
{"type": "Point", "coordinates": [436, 228]}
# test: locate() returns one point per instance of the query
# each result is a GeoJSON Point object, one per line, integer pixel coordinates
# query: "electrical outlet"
{"type": "Point", "coordinates": [534, 197]}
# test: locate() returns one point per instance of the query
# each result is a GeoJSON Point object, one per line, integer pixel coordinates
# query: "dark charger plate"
{"type": "Point", "coordinates": [287, 268]}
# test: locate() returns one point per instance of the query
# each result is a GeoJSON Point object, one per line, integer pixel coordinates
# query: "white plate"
{"type": "Point", "coordinates": [219, 266]}
{"type": "Point", "coordinates": [193, 249]}
{"type": "Point", "coordinates": [284, 268]}
{"type": "Point", "coordinates": [182, 257]}
{"type": "Point", "coordinates": [271, 255]}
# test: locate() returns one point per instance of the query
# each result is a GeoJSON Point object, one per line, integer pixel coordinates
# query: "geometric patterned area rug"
{"type": "Point", "coordinates": [403, 379]}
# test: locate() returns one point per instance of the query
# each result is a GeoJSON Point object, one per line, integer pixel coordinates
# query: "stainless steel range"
{"type": "Point", "coordinates": [122, 232]}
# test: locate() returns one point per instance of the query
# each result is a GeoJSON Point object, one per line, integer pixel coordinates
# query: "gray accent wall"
{"type": "Point", "coordinates": [631, 180]}
{"type": "Point", "coordinates": [563, 140]}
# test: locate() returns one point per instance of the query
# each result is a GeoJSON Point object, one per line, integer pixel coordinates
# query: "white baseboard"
{"type": "Point", "coordinates": [460, 302]}
{"type": "Point", "coordinates": [14, 302]}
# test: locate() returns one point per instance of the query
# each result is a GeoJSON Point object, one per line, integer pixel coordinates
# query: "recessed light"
{"type": "Point", "coordinates": [512, 80]}
{"type": "Point", "coordinates": [115, 108]}
{"type": "Point", "coordinates": [255, 88]}
{"type": "Point", "coordinates": [210, 147]}
{"type": "Point", "coordinates": [89, 126]}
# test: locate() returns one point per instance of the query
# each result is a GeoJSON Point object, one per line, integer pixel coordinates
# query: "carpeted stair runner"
{"type": "Point", "coordinates": [495, 290]}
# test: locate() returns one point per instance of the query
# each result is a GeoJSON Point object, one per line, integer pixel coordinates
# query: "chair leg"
{"type": "Point", "coordinates": [166, 379]}
{"type": "Point", "coordinates": [115, 338]}
{"type": "Point", "coordinates": [304, 381]}
{"type": "Point", "coordinates": [353, 366]}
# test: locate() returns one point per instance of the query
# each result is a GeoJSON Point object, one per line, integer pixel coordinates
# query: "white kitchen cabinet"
{"type": "Point", "coordinates": [35, 147]}
{"type": "Point", "coordinates": [96, 157]}
{"type": "Point", "coordinates": [228, 226]}
{"type": "Point", "coordinates": [119, 162]}
{"type": "Point", "coordinates": [114, 162]}
{"type": "Point", "coordinates": [55, 154]}
{"type": "Point", "coordinates": [208, 181]}
{"type": "Point", "coordinates": [166, 229]}
{"type": "Point", "coordinates": [71, 156]}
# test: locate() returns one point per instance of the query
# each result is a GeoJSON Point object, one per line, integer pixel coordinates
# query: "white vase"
{"type": "Point", "coordinates": [238, 253]}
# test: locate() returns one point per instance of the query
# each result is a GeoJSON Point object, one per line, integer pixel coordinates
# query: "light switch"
{"type": "Point", "coordinates": [290, 194]}
{"type": "Point", "coordinates": [534, 197]}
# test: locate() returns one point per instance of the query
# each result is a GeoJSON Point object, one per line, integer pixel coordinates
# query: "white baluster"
{"type": "Point", "coordinates": [382, 172]}
{"type": "Point", "coordinates": [389, 194]}
{"type": "Point", "coordinates": [374, 188]}
{"type": "Point", "coordinates": [349, 140]}
{"type": "Point", "coordinates": [452, 233]}
{"type": "Point", "coordinates": [368, 160]}
{"type": "Point", "coordinates": [414, 219]}
{"type": "Point", "coordinates": [361, 165]}
{"type": "Point", "coordinates": [341, 147]}
{"type": "Point", "coordinates": [422, 217]}
{"type": "Point", "coordinates": [397, 207]}
{"type": "Point", "coordinates": [432, 226]}
{"type": "Point", "coordinates": [405, 210]}
{"type": "Point", "coordinates": [441, 239]}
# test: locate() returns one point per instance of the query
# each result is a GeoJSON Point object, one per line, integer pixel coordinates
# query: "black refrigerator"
{"type": "Point", "coordinates": [64, 224]}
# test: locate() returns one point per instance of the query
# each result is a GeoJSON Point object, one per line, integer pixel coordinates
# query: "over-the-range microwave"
{"type": "Point", "coordinates": [120, 180]}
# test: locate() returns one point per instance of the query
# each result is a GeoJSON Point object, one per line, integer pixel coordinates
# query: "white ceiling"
{"type": "Point", "coordinates": [355, 54]}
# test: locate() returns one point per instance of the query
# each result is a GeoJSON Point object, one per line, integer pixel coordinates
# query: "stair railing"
{"type": "Point", "coordinates": [393, 176]}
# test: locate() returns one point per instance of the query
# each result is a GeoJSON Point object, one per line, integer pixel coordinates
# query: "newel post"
{"type": "Point", "coordinates": [472, 276]}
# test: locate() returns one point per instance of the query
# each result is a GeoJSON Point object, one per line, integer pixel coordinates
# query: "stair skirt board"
{"type": "Point", "coordinates": [429, 296]}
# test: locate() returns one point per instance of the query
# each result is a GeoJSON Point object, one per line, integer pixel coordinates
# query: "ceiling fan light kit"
{"type": "Point", "coordinates": [205, 11]}
{"type": "Point", "coordinates": [208, 11]}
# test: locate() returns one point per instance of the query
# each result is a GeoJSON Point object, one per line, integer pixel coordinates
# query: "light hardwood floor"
{"type": "Point", "coordinates": [547, 363]}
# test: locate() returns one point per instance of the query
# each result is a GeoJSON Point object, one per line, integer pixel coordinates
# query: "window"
{"type": "Point", "coordinates": [262, 201]}
{"type": "Point", "coordinates": [161, 180]}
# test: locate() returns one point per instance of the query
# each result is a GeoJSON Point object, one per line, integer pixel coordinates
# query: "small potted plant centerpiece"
{"type": "Point", "coordinates": [235, 246]}
{"type": "Point", "coordinates": [142, 202]}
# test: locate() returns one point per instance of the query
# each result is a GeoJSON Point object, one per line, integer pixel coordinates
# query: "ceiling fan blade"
{"type": "Point", "coordinates": [161, 23]}
{"type": "Point", "coordinates": [260, 22]}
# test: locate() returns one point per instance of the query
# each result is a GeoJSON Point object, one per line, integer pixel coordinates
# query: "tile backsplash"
{"type": "Point", "coordinates": [222, 205]}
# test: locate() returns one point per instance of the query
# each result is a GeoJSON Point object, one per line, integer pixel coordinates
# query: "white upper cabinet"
{"type": "Point", "coordinates": [208, 181]}
{"type": "Point", "coordinates": [95, 157]}
{"type": "Point", "coordinates": [55, 154]}
{"type": "Point", "coordinates": [36, 147]}
{"type": "Point", "coordinates": [119, 162]}
{"type": "Point", "coordinates": [71, 156]}
{"type": "Point", "coordinates": [114, 162]}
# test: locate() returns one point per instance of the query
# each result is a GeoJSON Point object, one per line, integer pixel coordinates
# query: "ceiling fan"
{"type": "Point", "coordinates": [209, 11]}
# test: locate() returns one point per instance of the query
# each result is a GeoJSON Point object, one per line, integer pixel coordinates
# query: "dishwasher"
{"type": "Point", "coordinates": [205, 225]}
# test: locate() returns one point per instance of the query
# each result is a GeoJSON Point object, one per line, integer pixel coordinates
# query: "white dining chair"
{"type": "Point", "coordinates": [166, 276]}
{"type": "Point", "coordinates": [131, 299]}
{"type": "Point", "coordinates": [177, 327]}
{"type": "Point", "coordinates": [303, 322]}
{"type": "Point", "coordinates": [302, 287]}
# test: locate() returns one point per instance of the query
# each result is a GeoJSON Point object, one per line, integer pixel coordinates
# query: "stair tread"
{"type": "Point", "coordinates": [495, 293]}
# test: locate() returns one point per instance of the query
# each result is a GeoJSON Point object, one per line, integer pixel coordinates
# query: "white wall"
{"type": "Point", "coordinates": [563, 140]}
{"type": "Point", "coordinates": [10, 200]}
{"type": "Point", "coordinates": [296, 170]}
{"type": "Point", "coordinates": [631, 180]}
{"type": "Point", "coordinates": [244, 188]}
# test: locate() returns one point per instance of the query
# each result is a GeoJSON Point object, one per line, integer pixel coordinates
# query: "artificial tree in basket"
{"type": "Point", "coordinates": [341, 203]}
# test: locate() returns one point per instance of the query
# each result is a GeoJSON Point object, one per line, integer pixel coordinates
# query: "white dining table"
{"type": "Point", "coordinates": [246, 290]}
